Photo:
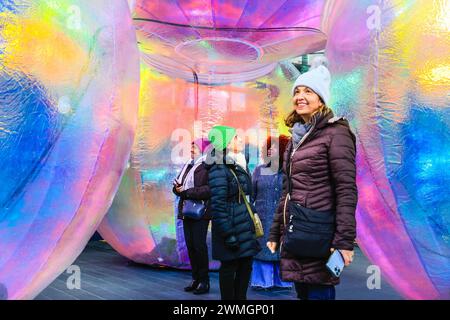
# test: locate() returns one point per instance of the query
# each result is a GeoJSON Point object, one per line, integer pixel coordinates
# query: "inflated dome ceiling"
{"type": "Point", "coordinates": [226, 41]}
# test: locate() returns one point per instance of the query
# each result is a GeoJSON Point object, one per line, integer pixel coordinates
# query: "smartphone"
{"type": "Point", "coordinates": [335, 263]}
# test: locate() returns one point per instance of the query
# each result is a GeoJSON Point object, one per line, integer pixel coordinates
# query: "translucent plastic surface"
{"type": "Point", "coordinates": [226, 41]}
{"type": "Point", "coordinates": [68, 110]}
{"type": "Point", "coordinates": [391, 76]}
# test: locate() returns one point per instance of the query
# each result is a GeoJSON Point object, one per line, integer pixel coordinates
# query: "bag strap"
{"type": "Point", "coordinates": [242, 194]}
{"type": "Point", "coordinates": [284, 208]}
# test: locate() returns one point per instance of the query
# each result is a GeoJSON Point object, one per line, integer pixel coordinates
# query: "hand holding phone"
{"type": "Point", "coordinates": [335, 263]}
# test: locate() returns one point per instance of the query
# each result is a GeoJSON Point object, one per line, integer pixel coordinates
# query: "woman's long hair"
{"type": "Point", "coordinates": [282, 144]}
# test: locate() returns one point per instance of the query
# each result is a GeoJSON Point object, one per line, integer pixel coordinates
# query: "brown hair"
{"type": "Point", "coordinates": [282, 144]}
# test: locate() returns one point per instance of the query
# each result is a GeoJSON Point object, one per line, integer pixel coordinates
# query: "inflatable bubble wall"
{"type": "Point", "coordinates": [69, 88]}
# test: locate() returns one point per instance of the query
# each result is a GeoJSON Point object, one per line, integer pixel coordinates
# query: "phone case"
{"type": "Point", "coordinates": [335, 263]}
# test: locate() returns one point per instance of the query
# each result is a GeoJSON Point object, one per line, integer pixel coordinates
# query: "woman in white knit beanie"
{"type": "Point", "coordinates": [320, 170]}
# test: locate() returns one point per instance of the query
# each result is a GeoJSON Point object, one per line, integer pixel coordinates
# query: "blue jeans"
{"type": "Point", "coordinates": [315, 291]}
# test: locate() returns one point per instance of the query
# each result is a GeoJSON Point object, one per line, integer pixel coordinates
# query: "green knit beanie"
{"type": "Point", "coordinates": [221, 136]}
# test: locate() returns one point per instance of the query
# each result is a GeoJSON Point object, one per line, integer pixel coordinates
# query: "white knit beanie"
{"type": "Point", "coordinates": [318, 79]}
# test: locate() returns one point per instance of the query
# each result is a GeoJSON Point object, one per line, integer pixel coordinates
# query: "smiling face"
{"type": "Point", "coordinates": [306, 102]}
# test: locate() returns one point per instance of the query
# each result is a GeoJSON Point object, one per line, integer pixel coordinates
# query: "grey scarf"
{"type": "Point", "coordinates": [299, 130]}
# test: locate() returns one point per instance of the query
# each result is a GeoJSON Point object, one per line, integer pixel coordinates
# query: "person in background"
{"type": "Point", "coordinates": [267, 187]}
{"type": "Point", "coordinates": [234, 242]}
{"type": "Point", "coordinates": [192, 184]}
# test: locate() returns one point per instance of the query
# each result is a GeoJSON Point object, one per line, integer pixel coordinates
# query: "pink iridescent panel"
{"type": "Point", "coordinates": [69, 81]}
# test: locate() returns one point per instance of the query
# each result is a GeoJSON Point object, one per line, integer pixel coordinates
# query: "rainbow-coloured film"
{"type": "Point", "coordinates": [391, 76]}
{"type": "Point", "coordinates": [225, 41]}
{"type": "Point", "coordinates": [69, 81]}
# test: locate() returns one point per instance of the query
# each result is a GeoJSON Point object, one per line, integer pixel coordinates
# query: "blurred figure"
{"type": "Point", "coordinates": [192, 184]}
{"type": "Point", "coordinates": [267, 187]}
{"type": "Point", "coordinates": [234, 242]}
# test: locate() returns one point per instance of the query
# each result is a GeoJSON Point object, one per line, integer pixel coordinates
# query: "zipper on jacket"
{"type": "Point", "coordinates": [298, 146]}
{"type": "Point", "coordinates": [288, 196]}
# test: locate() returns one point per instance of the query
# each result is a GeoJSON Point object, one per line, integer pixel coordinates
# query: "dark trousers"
{"type": "Point", "coordinates": [195, 232]}
{"type": "Point", "coordinates": [315, 292]}
{"type": "Point", "coordinates": [234, 277]}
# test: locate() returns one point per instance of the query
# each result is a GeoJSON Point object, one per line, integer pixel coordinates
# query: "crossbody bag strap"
{"type": "Point", "coordinates": [284, 209]}
{"type": "Point", "coordinates": [289, 182]}
{"type": "Point", "coordinates": [242, 194]}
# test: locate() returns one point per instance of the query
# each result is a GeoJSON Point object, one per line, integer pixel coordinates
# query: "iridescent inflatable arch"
{"type": "Point", "coordinates": [390, 68]}
{"type": "Point", "coordinates": [69, 81]}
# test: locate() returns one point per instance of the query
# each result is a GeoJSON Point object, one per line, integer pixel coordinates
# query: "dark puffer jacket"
{"type": "Point", "coordinates": [200, 191]}
{"type": "Point", "coordinates": [230, 218]}
{"type": "Point", "coordinates": [323, 177]}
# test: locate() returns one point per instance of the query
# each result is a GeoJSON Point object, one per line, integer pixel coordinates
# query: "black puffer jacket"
{"type": "Point", "coordinates": [230, 218]}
